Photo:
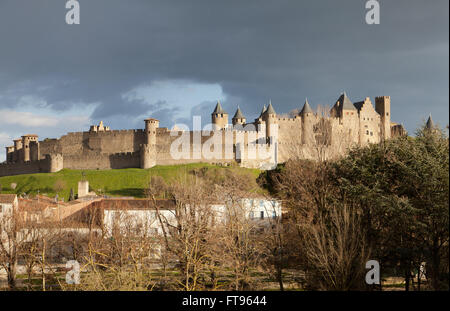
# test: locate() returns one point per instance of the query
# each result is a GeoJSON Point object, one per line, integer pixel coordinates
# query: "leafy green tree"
{"type": "Point", "coordinates": [403, 185]}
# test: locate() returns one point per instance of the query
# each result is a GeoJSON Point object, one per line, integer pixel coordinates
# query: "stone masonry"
{"type": "Point", "coordinates": [308, 135]}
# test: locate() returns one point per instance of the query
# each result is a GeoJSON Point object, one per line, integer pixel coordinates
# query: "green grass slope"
{"type": "Point", "coordinates": [117, 182]}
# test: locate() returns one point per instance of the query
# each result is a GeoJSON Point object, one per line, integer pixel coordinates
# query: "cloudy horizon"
{"type": "Point", "coordinates": [129, 60]}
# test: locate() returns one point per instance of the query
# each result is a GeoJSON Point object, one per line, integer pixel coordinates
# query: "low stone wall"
{"type": "Point", "coordinates": [31, 167]}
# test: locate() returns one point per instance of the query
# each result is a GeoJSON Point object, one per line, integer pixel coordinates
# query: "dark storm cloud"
{"type": "Point", "coordinates": [256, 50]}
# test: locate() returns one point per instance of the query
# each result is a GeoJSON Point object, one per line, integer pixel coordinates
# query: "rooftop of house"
{"type": "Point", "coordinates": [135, 204]}
{"type": "Point", "coordinates": [40, 203]}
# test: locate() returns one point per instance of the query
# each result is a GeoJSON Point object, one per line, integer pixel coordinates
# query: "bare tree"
{"type": "Point", "coordinates": [120, 258]}
{"type": "Point", "coordinates": [237, 233]}
{"type": "Point", "coordinates": [11, 244]}
{"type": "Point", "coordinates": [275, 252]}
{"type": "Point", "coordinates": [188, 229]}
{"type": "Point", "coordinates": [241, 250]}
{"type": "Point", "coordinates": [336, 250]}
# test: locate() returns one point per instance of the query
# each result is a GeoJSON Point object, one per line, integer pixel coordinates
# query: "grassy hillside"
{"type": "Point", "coordinates": [123, 182]}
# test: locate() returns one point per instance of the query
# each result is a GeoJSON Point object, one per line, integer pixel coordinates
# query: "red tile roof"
{"type": "Point", "coordinates": [134, 204]}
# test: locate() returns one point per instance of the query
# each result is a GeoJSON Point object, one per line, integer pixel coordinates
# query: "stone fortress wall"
{"type": "Point", "coordinates": [307, 135]}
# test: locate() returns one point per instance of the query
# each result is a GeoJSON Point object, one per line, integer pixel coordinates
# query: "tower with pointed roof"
{"type": "Point", "coordinates": [383, 107]}
{"type": "Point", "coordinates": [259, 121]}
{"type": "Point", "coordinates": [430, 124]}
{"type": "Point", "coordinates": [270, 118]}
{"type": "Point", "coordinates": [307, 116]}
{"type": "Point", "coordinates": [238, 118]}
{"type": "Point", "coordinates": [306, 110]}
{"type": "Point", "coordinates": [343, 107]}
{"type": "Point", "coordinates": [262, 111]}
{"type": "Point", "coordinates": [219, 117]}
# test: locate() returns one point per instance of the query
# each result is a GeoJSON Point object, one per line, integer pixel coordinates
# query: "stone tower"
{"type": "Point", "coordinates": [55, 162]}
{"type": "Point", "coordinates": [270, 117]}
{"type": "Point", "coordinates": [18, 155]}
{"type": "Point", "coordinates": [430, 126]}
{"type": "Point", "coordinates": [26, 141]}
{"type": "Point", "coordinates": [260, 123]}
{"type": "Point", "coordinates": [219, 117]}
{"type": "Point", "coordinates": [430, 123]}
{"type": "Point", "coordinates": [148, 150]}
{"type": "Point", "coordinates": [344, 108]}
{"type": "Point", "coordinates": [238, 117]}
{"type": "Point", "coordinates": [307, 116]}
{"type": "Point", "coordinates": [9, 154]}
{"type": "Point", "coordinates": [383, 107]}
{"type": "Point", "coordinates": [150, 130]}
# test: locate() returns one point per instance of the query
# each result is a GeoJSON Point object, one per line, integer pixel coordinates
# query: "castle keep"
{"type": "Point", "coordinates": [306, 134]}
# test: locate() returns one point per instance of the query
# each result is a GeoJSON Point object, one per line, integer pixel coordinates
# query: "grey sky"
{"type": "Point", "coordinates": [129, 59]}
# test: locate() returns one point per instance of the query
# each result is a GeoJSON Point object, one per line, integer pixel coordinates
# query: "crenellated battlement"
{"type": "Point", "coordinates": [125, 154]}
{"type": "Point", "coordinates": [300, 136]}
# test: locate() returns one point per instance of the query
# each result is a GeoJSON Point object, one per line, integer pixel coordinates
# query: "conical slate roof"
{"type": "Point", "coordinates": [270, 109]}
{"type": "Point", "coordinates": [263, 110]}
{"type": "Point", "coordinates": [238, 114]}
{"type": "Point", "coordinates": [346, 104]}
{"type": "Point", "coordinates": [306, 108]}
{"type": "Point", "coordinates": [430, 123]}
{"type": "Point", "coordinates": [219, 109]}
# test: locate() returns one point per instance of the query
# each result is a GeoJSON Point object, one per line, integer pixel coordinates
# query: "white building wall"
{"type": "Point", "coordinates": [146, 221]}
{"type": "Point", "coordinates": [143, 222]}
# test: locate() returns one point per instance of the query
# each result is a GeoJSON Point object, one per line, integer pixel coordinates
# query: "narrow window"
{"type": "Point", "coordinates": [262, 215]}
{"type": "Point", "coordinates": [274, 214]}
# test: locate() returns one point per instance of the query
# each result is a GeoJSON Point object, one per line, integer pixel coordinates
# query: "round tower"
{"type": "Point", "coordinates": [148, 149]}
{"type": "Point", "coordinates": [150, 130]}
{"type": "Point", "coordinates": [219, 117]}
{"type": "Point", "coordinates": [307, 115]}
{"type": "Point", "coordinates": [148, 156]}
{"type": "Point", "coordinates": [55, 162]}
{"type": "Point", "coordinates": [238, 118]}
{"type": "Point", "coordinates": [270, 117]}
